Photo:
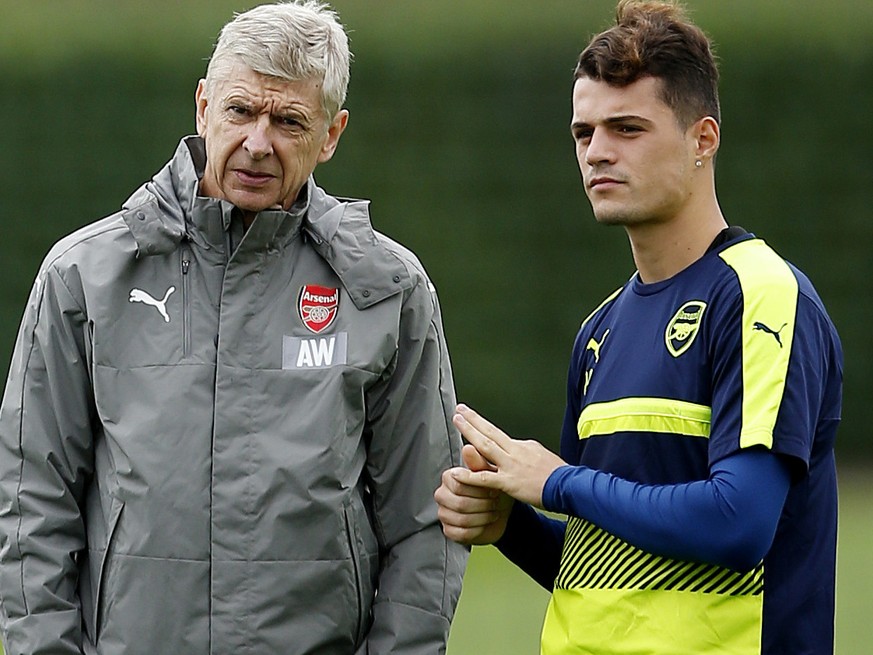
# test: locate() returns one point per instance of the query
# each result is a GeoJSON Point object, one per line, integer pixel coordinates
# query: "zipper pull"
{"type": "Point", "coordinates": [185, 265]}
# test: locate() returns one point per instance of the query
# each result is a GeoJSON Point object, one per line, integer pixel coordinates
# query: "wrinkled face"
{"type": "Point", "coordinates": [264, 137]}
{"type": "Point", "coordinates": [637, 163]}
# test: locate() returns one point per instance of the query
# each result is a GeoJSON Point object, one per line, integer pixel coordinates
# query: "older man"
{"type": "Point", "coordinates": [230, 402]}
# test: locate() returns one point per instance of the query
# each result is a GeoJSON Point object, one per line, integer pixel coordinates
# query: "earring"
{"type": "Point", "coordinates": [698, 163]}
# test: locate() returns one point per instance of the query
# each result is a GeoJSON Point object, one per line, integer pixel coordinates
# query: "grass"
{"type": "Point", "coordinates": [501, 609]}
{"type": "Point", "coordinates": [854, 572]}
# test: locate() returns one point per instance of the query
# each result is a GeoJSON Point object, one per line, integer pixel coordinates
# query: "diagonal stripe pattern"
{"type": "Point", "coordinates": [595, 559]}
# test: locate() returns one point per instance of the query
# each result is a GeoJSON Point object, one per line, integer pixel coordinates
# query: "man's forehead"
{"type": "Point", "coordinates": [239, 78]}
{"type": "Point", "coordinates": [596, 100]}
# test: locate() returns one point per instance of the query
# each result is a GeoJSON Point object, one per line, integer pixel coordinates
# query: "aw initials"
{"type": "Point", "coordinates": [316, 353]}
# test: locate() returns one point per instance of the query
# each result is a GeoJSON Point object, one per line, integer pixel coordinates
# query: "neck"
{"type": "Point", "coordinates": [661, 250]}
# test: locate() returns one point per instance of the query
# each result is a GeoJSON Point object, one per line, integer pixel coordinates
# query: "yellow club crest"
{"type": "Point", "coordinates": [684, 326]}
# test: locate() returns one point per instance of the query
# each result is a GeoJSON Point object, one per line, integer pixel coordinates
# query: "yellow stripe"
{"type": "Point", "coordinates": [659, 415]}
{"type": "Point", "coordinates": [770, 303]}
{"type": "Point", "coordinates": [601, 305]}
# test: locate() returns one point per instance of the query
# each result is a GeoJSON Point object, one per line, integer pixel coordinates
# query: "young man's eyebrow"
{"type": "Point", "coordinates": [627, 118]}
{"type": "Point", "coordinates": [613, 120]}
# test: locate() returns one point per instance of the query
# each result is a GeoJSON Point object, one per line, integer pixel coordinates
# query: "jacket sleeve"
{"type": "Point", "coordinates": [45, 460]}
{"type": "Point", "coordinates": [412, 440]}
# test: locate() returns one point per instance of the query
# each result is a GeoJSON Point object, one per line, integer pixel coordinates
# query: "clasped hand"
{"type": "Point", "coordinates": [475, 502]}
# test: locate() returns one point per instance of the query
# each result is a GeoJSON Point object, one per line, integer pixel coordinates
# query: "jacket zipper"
{"type": "Point", "coordinates": [186, 308]}
{"type": "Point", "coordinates": [356, 567]}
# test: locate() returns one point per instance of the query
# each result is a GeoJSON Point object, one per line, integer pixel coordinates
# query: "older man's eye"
{"type": "Point", "coordinates": [289, 121]}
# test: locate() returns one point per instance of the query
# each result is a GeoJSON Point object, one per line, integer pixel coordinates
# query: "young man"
{"type": "Point", "coordinates": [697, 463]}
{"type": "Point", "coordinates": [230, 402]}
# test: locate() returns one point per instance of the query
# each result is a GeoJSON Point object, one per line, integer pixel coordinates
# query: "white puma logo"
{"type": "Point", "coordinates": [138, 295]}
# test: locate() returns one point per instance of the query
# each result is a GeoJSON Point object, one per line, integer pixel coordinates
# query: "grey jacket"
{"type": "Point", "coordinates": [215, 443]}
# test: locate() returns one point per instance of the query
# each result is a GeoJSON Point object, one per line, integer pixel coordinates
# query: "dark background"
{"type": "Point", "coordinates": [459, 134]}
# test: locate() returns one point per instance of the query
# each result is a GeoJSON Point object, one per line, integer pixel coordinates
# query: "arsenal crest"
{"type": "Point", "coordinates": [317, 306]}
{"type": "Point", "coordinates": [684, 326]}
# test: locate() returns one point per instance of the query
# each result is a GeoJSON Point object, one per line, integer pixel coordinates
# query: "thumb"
{"type": "Point", "coordinates": [473, 459]}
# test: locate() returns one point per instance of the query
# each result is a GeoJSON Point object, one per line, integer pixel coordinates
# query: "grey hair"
{"type": "Point", "coordinates": [296, 40]}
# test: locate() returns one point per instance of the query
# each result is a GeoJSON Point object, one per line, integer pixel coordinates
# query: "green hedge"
{"type": "Point", "coordinates": [463, 146]}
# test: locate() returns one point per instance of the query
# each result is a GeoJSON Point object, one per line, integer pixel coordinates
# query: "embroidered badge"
{"type": "Point", "coordinates": [317, 306]}
{"type": "Point", "coordinates": [684, 326]}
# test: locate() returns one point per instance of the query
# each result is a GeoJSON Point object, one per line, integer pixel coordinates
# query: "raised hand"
{"type": "Point", "coordinates": [518, 468]}
{"type": "Point", "coordinates": [471, 515]}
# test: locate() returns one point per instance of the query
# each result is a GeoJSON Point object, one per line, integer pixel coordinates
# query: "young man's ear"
{"type": "Point", "coordinates": [707, 135]}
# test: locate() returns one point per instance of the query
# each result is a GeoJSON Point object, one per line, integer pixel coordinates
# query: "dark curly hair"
{"type": "Point", "coordinates": [656, 39]}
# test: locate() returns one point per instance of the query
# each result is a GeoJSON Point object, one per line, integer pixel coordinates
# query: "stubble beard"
{"type": "Point", "coordinates": [623, 217]}
{"type": "Point", "coordinates": [610, 211]}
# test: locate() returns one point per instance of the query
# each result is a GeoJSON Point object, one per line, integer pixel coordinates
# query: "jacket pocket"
{"type": "Point", "coordinates": [363, 554]}
{"type": "Point", "coordinates": [93, 617]}
{"type": "Point", "coordinates": [356, 565]}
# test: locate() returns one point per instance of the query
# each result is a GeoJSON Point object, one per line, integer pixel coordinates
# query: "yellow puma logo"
{"type": "Point", "coordinates": [595, 347]}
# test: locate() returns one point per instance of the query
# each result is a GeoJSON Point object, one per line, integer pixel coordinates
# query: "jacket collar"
{"type": "Point", "coordinates": [209, 219]}
{"type": "Point", "coordinates": [341, 232]}
{"type": "Point", "coordinates": [168, 208]}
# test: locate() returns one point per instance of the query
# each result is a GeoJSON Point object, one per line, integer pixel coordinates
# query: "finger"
{"type": "Point", "coordinates": [466, 506]}
{"type": "Point", "coordinates": [483, 480]}
{"type": "Point", "coordinates": [473, 459]}
{"type": "Point", "coordinates": [467, 529]}
{"type": "Point", "coordinates": [485, 426]}
{"type": "Point", "coordinates": [468, 536]}
{"type": "Point", "coordinates": [448, 516]}
{"type": "Point", "coordinates": [456, 480]}
{"type": "Point", "coordinates": [467, 498]}
{"type": "Point", "coordinates": [488, 450]}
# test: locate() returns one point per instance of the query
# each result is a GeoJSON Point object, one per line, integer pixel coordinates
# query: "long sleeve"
{"type": "Point", "coordinates": [412, 441]}
{"type": "Point", "coordinates": [533, 542]}
{"type": "Point", "coordinates": [45, 460]}
{"type": "Point", "coordinates": [728, 519]}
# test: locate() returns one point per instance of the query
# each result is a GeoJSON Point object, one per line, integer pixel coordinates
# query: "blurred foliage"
{"type": "Point", "coordinates": [459, 134]}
